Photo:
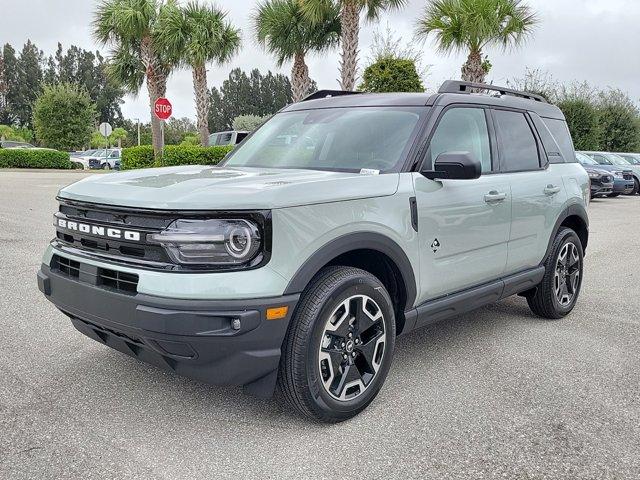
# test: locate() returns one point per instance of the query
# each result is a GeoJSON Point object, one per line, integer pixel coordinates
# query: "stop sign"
{"type": "Point", "coordinates": [162, 108]}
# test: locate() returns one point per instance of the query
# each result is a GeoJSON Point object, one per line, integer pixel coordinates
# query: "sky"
{"type": "Point", "coordinates": [577, 40]}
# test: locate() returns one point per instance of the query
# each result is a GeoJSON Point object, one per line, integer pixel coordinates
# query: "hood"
{"type": "Point", "coordinates": [598, 170]}
{"type": "Point", "coordinates": [197, 187]}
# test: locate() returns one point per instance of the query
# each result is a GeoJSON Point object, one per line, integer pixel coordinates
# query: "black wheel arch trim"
{"type": "Point", "coordinates": [574, 210]}
{"type": "Point", "coordinates": [347, 243]}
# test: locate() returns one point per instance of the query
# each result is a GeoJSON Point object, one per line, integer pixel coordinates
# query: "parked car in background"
{"type": "Point", "coordinates": [624, 177]}
{"type": "Point", "coordinates": [15, 144]}
{"type": "Point", "coordinates": [601, 180]}
{"type": "Point", "coordinates": [232, 137]}
{"type": "Point", "coordinates": [82, 158]}
{"type": "Point", "coordinates": [105, 159]}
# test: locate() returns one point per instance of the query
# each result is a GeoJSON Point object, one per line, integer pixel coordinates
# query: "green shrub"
{"type": "Point", "coordinates": [137, 157]}
{"type": "Point", "coordinates": [391, 75]}
{"type": "Point", "coordinates": [34, 158]}
{"type": "Point", "coordinates": [142, 157]}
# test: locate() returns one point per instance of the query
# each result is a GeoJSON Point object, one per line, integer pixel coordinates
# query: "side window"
{"type": "Point", "coordinates": [551, 147]}
{"type": "Point", "coordinates": [462, 130]}
{"type": "Point", "coordinates": [518, 145]}
{"type": "Point", "coordinates": [560, 131]}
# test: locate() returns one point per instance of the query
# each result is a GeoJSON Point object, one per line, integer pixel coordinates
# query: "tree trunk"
{"type": "Point", "coordinates": [156, 86]}
{"type": "Point", "coordinates": [472, 70]}
{"type": "Point", "coordinates": [300, 81]}
{"type": "Point", "coordinates": [202, 102]}
{"type": "Point", "coordinates": [350, 22]}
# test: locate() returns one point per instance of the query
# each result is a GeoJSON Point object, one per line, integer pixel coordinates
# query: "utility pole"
{"type": "Point", "coordinates": [138, 120]}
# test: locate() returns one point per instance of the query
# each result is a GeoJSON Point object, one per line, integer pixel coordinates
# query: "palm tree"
{"type": "Point", "coordinates": [128, 26]}
{"type": "Point", "coordinates": [350, 22]}
{"type": "Point", "coordinates": [194, 36]}
{"type": "Point", "coordinates": [472, 25]}
{"type": "Point", "coordinates": [282, 28]}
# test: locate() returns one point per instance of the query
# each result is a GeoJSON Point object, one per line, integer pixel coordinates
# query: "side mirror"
{"type": "Point", "coordinates": [455, 166]}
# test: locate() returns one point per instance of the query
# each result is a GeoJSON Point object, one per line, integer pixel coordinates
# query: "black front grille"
{"type": "Point", "coordinates": [627, 176]}
{"type": "Point", "coordinates": [139, 252]}
{"type": "Point", "coordinates": [66, 266]}
{"type": "Point", "coordinates": [126, 282]}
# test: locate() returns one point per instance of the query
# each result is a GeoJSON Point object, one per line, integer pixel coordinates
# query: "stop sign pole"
{"type": "Point", "coordinates": [162, 109]}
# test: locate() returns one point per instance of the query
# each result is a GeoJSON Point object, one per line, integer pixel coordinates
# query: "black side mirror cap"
{"type": "Point", "coordinates": [455, 166]}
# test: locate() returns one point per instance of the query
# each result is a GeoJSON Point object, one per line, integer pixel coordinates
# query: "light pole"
{"type": "Point", "coordinates": [138, 120]}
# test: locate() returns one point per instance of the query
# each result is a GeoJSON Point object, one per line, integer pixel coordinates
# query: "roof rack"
{"type": "Point", "coordinates": [328, 93]}
{"type": "Point", "coordinates": [456, 86]}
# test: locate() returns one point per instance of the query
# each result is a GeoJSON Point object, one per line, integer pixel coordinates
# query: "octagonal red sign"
{"type": "Point", "coordinates": [162, 108]}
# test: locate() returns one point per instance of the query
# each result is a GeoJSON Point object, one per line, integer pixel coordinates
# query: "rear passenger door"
{"type": "Point", "coordinates": [537, 191]}
{"type": "Point", "coordinates": [463, 225]}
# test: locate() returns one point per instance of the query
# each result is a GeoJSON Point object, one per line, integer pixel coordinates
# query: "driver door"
{"type": "Point", "coordinates": [464, 225]}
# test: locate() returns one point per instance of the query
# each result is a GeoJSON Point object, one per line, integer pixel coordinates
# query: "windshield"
{"type": "Point", "coordinates": [616, 160]}
{"type": "Point", "coordinates": [585, 160]}
{"type": "Point", "coordinates": [633, 160]}
{"type": "Point", "coordinates": [336, 139]}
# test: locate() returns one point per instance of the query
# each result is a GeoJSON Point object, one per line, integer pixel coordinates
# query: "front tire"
{"type": "Point", "coordinates": [557, 294]}
{"type": "Point", "coordinates": [339, 345]}
{"type": "Point", "coordinates": [636, 187]}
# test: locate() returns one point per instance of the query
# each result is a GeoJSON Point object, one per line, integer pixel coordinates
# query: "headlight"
{"type": "Point", "coordinates": [618, 174]}
{"type": "Point", "coordinates": [594, 175]}
{"type": "Point", "coordinates": [210, 241]}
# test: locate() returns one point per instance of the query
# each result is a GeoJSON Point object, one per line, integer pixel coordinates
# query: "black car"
{"type": "Point", "coordinates": [601, 181]}
{"type": "Point", "coordinates": [623, 182]}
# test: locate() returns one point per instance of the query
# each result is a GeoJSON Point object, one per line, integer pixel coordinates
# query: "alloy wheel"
{"type": "Point", "coordinates": [567, 275]}
{"type": "Point", "coordinates": [352, 347]}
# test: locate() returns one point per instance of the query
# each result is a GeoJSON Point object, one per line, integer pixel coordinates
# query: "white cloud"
{"type": "Point", "coordinates": [592, 40]}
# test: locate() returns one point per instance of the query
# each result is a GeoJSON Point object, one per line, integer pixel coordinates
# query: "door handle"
{"type": "Point", "coordinates": [495, 197]}
{"type": "Point", "coordinates": [551, 190]}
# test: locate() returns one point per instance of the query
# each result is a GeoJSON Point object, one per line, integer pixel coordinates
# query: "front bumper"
{"type": "Point", "coordinates": [621, 185]}
{"type": "Point", "coordinates": [599, 188]}
{"type": "Point", "coordinates": [194, 338]}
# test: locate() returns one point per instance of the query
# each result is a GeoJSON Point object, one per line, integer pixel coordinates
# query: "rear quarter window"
{"type": "Point", "coordinates": [562, 136]}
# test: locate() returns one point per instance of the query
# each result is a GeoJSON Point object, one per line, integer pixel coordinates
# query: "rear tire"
{"type": "Point", "coordinates": [557, 294]}
{"type": "Point", "coordinates": [339, 346]}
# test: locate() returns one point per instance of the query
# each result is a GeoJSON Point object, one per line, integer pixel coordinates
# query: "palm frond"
{"type": "Point", "coordinates": [459, 25]}
{"type": "Point", "coordinates": [284, 29]}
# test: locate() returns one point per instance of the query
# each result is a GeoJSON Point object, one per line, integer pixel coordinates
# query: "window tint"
{"type": "Point", "coordinates": [560, 132]}
{"type": "Point", "coordinates": [462, 130]}
{"type": "Point", "coordinates": [518, 146]}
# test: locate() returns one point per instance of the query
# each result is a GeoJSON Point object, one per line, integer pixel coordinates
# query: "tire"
{"type": "Point", "coordinates": [545, 300]}
{"type": "Point", "coordinates": [636, 187]}
{"type": "Point", "coordinates": [106, 166]}
{"type": "Point", "coordinates": [314, 372]}
{"type": "Point", "coordinates": [613, 195]}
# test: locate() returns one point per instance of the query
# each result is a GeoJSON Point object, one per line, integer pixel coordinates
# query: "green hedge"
{"type": "Point", "coordinates": [34, 158]}
{"type": "Point", "coordinates": [142, 157]}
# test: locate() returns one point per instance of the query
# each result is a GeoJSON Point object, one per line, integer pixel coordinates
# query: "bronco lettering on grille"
{"type": "Point", "coordinates": [99, 231]}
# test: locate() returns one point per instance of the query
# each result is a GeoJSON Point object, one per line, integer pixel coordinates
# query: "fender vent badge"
{"type": "Point", "coordinates": [435, 246]}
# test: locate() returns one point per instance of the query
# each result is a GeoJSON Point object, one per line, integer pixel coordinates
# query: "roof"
{"type": "Point", "coordinates": [501, 98]}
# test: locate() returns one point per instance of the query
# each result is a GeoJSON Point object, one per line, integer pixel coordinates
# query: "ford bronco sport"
{"type": "Point", "coordinates": [298, 262]}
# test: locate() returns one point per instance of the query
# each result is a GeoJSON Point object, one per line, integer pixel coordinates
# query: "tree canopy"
{"type": "Point", "coordinates": [64, 117]}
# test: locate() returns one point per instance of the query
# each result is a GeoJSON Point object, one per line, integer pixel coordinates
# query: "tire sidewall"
{"type": "Point", "coordinates": [567, 236]}
{"type": "Point", "coordinates": [357, 285]}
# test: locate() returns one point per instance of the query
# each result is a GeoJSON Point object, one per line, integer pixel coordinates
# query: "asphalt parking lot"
{"type": "Point", "coordinates": [497, 393]}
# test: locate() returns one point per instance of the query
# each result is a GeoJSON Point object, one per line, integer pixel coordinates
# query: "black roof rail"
{"type": "Point", "coordinates": [328, 93]}
{"type": "Point", "coordinates": [457, 86]}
